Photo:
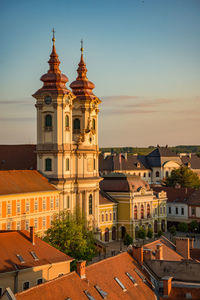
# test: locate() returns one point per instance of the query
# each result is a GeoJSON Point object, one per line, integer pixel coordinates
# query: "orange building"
{"type": "Point", "coordinates": [27, 199]}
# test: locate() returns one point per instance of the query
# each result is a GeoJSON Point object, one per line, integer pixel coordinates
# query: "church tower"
{"type": "Point", "coordinates": [54, 122]}
{"type": "Point", "coordinates": [85, 142]}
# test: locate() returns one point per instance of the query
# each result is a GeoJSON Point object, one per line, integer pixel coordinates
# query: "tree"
{"type": "Point", "coordinates": [142, 233]}
{"type": "Point", "coordinates": [70, 235]}
{"type": "Point", "coordinates": [183, 227]}
{"type": "Point", "coordinates": [149, 233]}
{"type": "Point", "coordinates": [194, 226]}
{"type": "Point", "coordinates": [160, 233]}
{"type": "Point", "coordinates": [183, 177]}
{"type": "Point", "coordinates": [128, 240]}
{"type": "Point", "coordinates": [172, 230]}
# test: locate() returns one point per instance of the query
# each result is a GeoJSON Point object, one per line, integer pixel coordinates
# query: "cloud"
{"type": "Point", "coordinates": [119, 98]}
{"type": "Point", "coordinates": [116, 111]}
{"type": "Point", "coordinates": [151, 103]}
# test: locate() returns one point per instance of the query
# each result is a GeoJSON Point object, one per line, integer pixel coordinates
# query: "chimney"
{"type": "Point", "coordinates": [32, 235]}
{"type": "Point", "coordinates": [183, 246]}
{"type": "Point", "coordinates": [138, 253]}
{"type": "Point", "coordinates": [147, 255]}
{"type": "Point", "coordinates": [159, 251]}
{"type": "Point", "coordinates": [167, 285]}
{"type": "Point", "coordinates": [80, 268]}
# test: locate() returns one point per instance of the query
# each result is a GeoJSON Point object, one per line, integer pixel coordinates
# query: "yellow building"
{"type": "Point", "coordinates": [27, 261]}
{"type": "Point", "coordinates": [138, 206]}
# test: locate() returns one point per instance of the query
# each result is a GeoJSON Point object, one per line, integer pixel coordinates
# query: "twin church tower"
{"type": "Point", "coordinates": [67, 137]}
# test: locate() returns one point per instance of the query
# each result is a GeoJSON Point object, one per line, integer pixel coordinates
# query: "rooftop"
{"type": "Point", "coordinates": [23, 181]}
{"type": "Point", "coordinates": [175, 194]}
{"type": "Point", "coordinates": [104, 198]}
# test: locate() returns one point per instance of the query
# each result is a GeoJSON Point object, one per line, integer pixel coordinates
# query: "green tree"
{"type": "Point", "coordinates": [183, 177]}
{"type": "Point", "coordinates": [183, 227]}
{"type": "Point", "coordinates": [172, 230]}
{"type": "Point", "coordinates": [70, 235]}
{"type": "Point", "coordinates": [160, 233]}
{"type": "Point", "coordinates": [149, 233]}
{"type": "Point", "coordinates": [128, 240]}
{"type": "Point", "coordinates": [141, 233]}
{"type": "Point", "coordinates": [194, 227]}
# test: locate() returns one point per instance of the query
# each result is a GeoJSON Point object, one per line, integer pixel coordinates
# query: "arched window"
{"type": "Point", "coordinates": [114, 233]}
{"type": "Point", "coordinates": [106, 216]}
{"type": "Point", "coordinates": [77, 125]}
{"type": "Point", "coordinates": [90, 204]}
{"type": "Point", "coordinates": [148, 211]}
{"type": "Point", "coordinates": [93, 124]}
{"type": "Point", "coordinates": [142, 211]}
{"type": "Point", "coordinates": [67, 164]}
{"type": "Point", "coordinates": [110, 216]}
{"type": "Point", "coordinates": [157, 174]}
{"type": "Point", "coordinates": [149, 174]}
{"type": "Point", "coordinates": [66, 121]}
{"type": "Point", "coordinates": [167, 174]}
{"type": "Point", "coordinates": [135, 212]}
{"type": "Point", "coordinates": [144, 174]}
{"type": "Point", "coordinates": [139, 174]}
{"type": "Point", "coordinates": [94, 164]}
{"type": "Point", "coordinates": [48, 164]}
{"type": "Point", "coordinates": [48, 121]}
{"type": "Point", "coordinates": [102, 217]}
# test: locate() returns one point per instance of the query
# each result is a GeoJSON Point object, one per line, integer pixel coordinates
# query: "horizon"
{"type": "Point", "coordinates": [142, 56]}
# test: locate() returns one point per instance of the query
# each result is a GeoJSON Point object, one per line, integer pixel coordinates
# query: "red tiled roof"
{"type": "Point", "coordinates": [18, 157]}
{"type": "Point", "coordinates": [23, 181]}
{"type": "Point", "coordinates": [175, 194]}
{"type": "Point", "coordinates": [18, 242]}
{"type": "Point", "coordinates": [194, 198]}
{"type": "Point", "coordinates": [168, 252]}
{"type": "Point", "coordinates": [101, 274]}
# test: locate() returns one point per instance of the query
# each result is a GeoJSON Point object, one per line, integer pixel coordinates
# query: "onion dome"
{"type": "Point", "coordinates": [82, 87]}
{"type": "Point", "coordinates": [54, 81]}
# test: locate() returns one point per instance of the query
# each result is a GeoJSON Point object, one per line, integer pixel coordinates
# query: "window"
{"type": "Point", "coordinates": [77, 125]}
{"type": "Point", "coordinates": [157, 174]}
{"type": "Point", "coordinates": [44, 222]}
{"type": "Point", "coordinates": [44, 204]}
{"type": "Point", "coordinates": [120, 284]}
{"type": "Point", "coordinates": [67, 122]}
{"type": "Point", "coordinates": [110, 216]}
{"type": "Point", "coordinates": [51, 203]}
{"type": "Point", "coordinates": [18, 207]}
{"type": "Point", "coordinates": [193, 211]}
{"type": "Point", "coordinates": [106, 216]}
{"type": "Point", "coordinates": [94, 164]}
{"type": "Point", "coordinates": [148, 211]}
{"type": "Point", "coordinates": [93, 124]}
{"type": "Point", "coordinates": [26, 285]}
{"type": "Point", "coordinates": [34, 255]}
{"type": "Point", "coordinates": [161, 210]}
{"type": "Point", "coordinates": [57, 202]}
{"type": "Point", "coordinates": [170, 210]}
{"type": "Point", "coordinates": [114, 216]}
{"type": "Point", "coordinates": [36, 205]}
{"type": "Point", "coordinates": [39, 281]}
{"type": "Point", "coordinates": [144, 175]}
{"type": "Point", "coordinates": [131, 278]}
{"type": "Point", "coordinates": [182, 210]}
{"type": "Point", "coordinates": [176, 210]}
{"type": "Point", "coordinates": [20, 258]}
{"type": "Point", "coordinates": [142, 211]}
{"type": "Point", "coordinates": [167, 174]}
{"type": "Point", "coordinates": [36, 223]}
{"type": "Point", "coordinates": [156, 211]}
{"type": "Point", "coordinates": [101, 292]}
{"type": "Point", "coordinates": [135, 212]}
{"type": "Point", "coordinates": [9, 209]}
{"type": "Point", "coordinates": [8, 226]}
{"type": "Point", "coordinates": [48, 164]}
{"type": "Point", "coordinates": [48, 121]}
{"type": "Point", "coordinates": [27, 224]}
{"type": "Point", "coordinates": [66, 202]}
{"type": "Point", "coordinates": [67, 164]}
{"type": "Point", "coordinates": [102, 217]}
{"type": "Point", "coordinates": [90, 204]}
{"type": "Point", "coordinates": [164, 210]}
{"type": "Point", "coordinates": [149, 174]}
{"type": "Point", "coordinates": [18, 225]}
{"type": "Point", "coordinates": [27, 205]}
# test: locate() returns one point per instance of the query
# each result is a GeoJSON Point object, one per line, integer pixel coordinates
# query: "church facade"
{"type": "Point", "coordinates": [67, 138]}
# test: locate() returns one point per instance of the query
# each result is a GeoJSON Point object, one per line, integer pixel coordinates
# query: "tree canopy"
{"type": "Point", "coordinates": [70, 235]}
{"type": "Point", "coordinates": [183, 177]}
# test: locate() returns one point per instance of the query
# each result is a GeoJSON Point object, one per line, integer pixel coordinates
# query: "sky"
{"type": "Point", "coordinates": [142, 56]}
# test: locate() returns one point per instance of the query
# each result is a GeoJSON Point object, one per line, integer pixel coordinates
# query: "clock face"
{"type": "Point", "coordinates": [48, 99]}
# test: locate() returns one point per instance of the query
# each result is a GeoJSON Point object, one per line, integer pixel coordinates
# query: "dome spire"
{"type": "Point", "coordinates": [53, 38]}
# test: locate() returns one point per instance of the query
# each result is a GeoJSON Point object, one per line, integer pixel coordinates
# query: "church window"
{"type": "Point", "coordinates": [93, 124]}
{"type": "Point", "coordinates": [67, 164]}
{"type": "Point", "coordinates": [142, 211]}
{"type": "Point", "coordinates": [148, 211]}
{"type": "Point", "coordinates": [48, 163]}
{"type": "Point", "coordinates": [67, 122]}
{"type": "Point", "coordinates": [90, 204]}
{"type": "Point", "coordinates": [102, 217]}
{"type": "Point", "coordinates": [94, 162]}
{"type": "Point", "coordinates": [77, 125]}
{"type": "Point", "coordinates": [135, 212]}
{"type": "Point", "coordinates": [110, 216]}
{"type": "Point", "coordinates": [48, 121]}
{"type": "Point", "coordinates": [157, 174]}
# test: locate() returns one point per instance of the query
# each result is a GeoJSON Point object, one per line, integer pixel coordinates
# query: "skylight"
{"type": "Point", "coordinates": [131, 278]}
{"type": "Point", "coordinates": [20, 258]}
{"type": "Point", "coordinates": [34, 255]}
{"type": "Point", "coordinates": [140, 274]}
{"type": "Point", "coordinates": [120, 284]}
{"type": "Point", "coordinates": [89, 295]}
{"type": "Point", "coordinates": [101, 292]}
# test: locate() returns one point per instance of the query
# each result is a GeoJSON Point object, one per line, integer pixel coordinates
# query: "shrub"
{"type": "Point", "coordinates": [183, 227]}
{"type": "Point", "coordinates": [150, 233]}
{"type": "Point", "coordinates": [128, 240]}
{"type": "Point", "coordinates": [142, 233]}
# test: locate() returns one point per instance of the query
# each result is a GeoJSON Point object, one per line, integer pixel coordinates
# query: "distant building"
{"type": "Point", "coordinates": [137, 205]}
{"type": "Point", "coordinates": [27, 199]}
{"type": "Point", "coordinates": [152, 168]}
{"type": "Point", "coordinates": [27, 261]}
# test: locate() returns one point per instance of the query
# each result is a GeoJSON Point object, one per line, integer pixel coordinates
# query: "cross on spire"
{"type": "Point", "coordinates": [82, 46]}
{"type": "Point", "coordinates": [53, 39]}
